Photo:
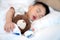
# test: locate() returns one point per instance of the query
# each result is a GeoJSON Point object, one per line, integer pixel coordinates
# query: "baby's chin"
{"type": "Point", "coordinates": [33, 19]}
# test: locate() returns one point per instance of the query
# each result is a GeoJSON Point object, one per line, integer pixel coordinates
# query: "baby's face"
{"type": "Point", "coordinates": [36, 12]}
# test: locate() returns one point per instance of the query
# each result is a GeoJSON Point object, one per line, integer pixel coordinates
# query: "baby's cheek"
{"type": "Point", "coordinates": [30, 17]}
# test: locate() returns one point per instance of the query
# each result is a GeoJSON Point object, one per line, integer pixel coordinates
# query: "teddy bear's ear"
{"type": "Point", "coordinates": [15, 19]}
{"type": "Point", "coordinates": [26, 15]}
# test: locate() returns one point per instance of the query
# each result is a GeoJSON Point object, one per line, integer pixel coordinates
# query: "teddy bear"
{"type": "Point", "coordinates": [22, 22]}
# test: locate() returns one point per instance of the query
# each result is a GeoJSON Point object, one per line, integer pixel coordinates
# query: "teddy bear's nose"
{"type": "Point", "coordinates": [21, 24]}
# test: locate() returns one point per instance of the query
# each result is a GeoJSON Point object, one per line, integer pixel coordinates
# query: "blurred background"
{"type": "Point", "coordinates": [50, 25]}
{"type": "Point", "coordinates": [53, 3]}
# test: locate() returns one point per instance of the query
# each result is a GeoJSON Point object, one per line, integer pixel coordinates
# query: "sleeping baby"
{"type": "Point", "coordinates": [35, 12]}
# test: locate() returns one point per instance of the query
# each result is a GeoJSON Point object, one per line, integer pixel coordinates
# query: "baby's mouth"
{"type": "Point", "coordinates": [34, 17]}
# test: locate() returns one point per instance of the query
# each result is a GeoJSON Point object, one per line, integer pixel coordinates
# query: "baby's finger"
{"type": "Point", "coordinates": [8, 29]}
{"type": "Point", "coordinates": [12, 27]}
{"type": "Point", "coordinates": [5, 27]}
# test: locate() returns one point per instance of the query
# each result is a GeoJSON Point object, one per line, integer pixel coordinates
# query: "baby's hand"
{"type": "Point", "coordinates": [9, 26]}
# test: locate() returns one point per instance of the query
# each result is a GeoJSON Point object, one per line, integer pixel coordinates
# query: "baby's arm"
{"type": "Point", "coordinates": [10, 14]}
{"type": "Point", "coordinates": [9, 25]}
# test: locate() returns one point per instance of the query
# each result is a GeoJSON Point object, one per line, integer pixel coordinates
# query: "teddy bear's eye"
{"type": "Point", "coordinates": [23, 21]}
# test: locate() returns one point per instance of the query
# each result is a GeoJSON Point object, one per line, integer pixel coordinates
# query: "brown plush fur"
{"type": "Point", "coordinates": [24, 17]}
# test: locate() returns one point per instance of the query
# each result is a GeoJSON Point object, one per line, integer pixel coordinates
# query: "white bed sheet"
{"type": "Point", "coordinates": [48, 28]}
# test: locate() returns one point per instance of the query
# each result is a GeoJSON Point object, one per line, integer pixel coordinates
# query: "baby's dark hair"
{"type": "Point", "coordinates": [44, 5]}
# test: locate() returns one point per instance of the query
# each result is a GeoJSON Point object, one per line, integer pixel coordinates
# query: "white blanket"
{"type": "Point", "coordinates": [47, 28]}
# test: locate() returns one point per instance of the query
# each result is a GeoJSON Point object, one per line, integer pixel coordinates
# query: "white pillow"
{"type": "Point", "coordinates": [50, 20]}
